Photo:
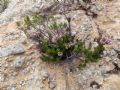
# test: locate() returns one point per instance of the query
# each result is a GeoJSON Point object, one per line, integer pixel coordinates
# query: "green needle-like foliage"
{"type": "Point", "coordinates": [92, 56]}
{"type": "Point", "coordinates": [27, 21]}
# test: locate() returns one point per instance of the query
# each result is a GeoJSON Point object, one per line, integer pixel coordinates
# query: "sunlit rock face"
{"type": "Point", "coordinates": [19, 8]}
{"type": "Point", "coordinates": [21, 67]}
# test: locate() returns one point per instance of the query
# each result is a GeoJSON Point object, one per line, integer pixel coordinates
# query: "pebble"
{"type": "Point", "coordinates": [45, 75]}
{"type": "Point", "coordinates": [52, 85]}
{"type": "Point", "coordinates": [19, 62]}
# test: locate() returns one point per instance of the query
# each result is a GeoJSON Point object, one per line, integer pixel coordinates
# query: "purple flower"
{"type": "Point", "coordinates": [104, 40]}
{"type": "Point", "coordinates": [54, 39]}
{"type": "Point", "coordinates": [109, 41]}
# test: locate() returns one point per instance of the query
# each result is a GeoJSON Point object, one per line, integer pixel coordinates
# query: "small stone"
{"type": "Point", "coordinates": [94, 86]}
{"type": "Point", "coordinates": [52, 85]}
{"type": "Point", "coordinates": [104, 53]}
{"type": "Point", "coordinates": [94, 9]}
{"type": "Point", "coordinates": [17, 49]}
{"type": "Point", "coordinates": [22, 83]}
{"type": "Point", "coordinates": [45, 75]}
{"type": "Point", "coordinates": [19, 62]}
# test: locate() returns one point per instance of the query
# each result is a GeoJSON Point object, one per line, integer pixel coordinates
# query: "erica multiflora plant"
{"type": "Point", "coordinates": [56, 41]}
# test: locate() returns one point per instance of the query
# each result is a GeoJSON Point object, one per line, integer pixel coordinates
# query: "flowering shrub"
{"type": "Point", "coordinates": [103, 40]}
{"type": "Point", "coordinates": [57, 41]}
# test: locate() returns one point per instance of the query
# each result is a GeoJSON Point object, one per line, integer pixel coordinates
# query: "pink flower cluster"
{"type": "Point", "coordinates": [104, 40]}
{"type": "Point", "coordinates": [54, 39]}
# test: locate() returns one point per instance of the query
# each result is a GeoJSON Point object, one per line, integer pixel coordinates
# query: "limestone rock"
{"type": "Point", "coordinates": [37, 75]}
{"type": "Point", "coordinates": [16, 48]}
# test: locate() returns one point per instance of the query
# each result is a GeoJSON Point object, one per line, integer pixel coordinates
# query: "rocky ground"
{"type": "Point", "coordinates": [20, 64]}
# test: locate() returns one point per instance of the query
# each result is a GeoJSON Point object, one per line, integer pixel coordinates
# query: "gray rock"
{"type": "Point", "coordinates": [94, 9]}
{"type": "Point", "coordinates": [19, 62]}
{"type": "Point", "coordinates": [52, 85]}
{"type": "Point", "coordinates": [113, 52]}
{"type": "Point", "coordinates": [22, 83]}
{"type": "Point", "coordinates": [104, 53]}
{"type": "Point", "coordinates": [81, 79]}
{"type": "Point", "coordinates": [12, 50]}
{"type": "Point", "coordinates": [44, 75]}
